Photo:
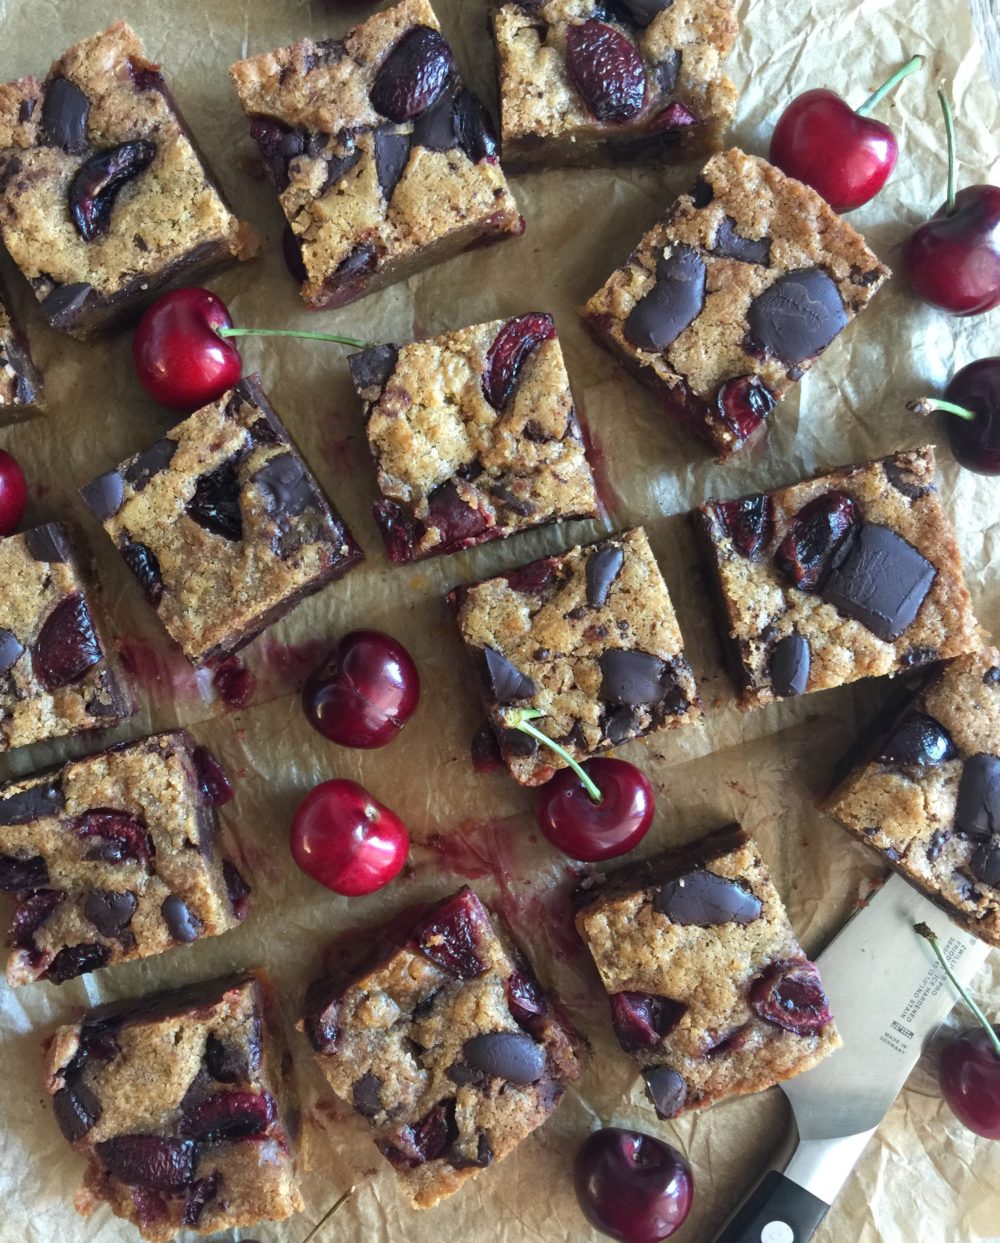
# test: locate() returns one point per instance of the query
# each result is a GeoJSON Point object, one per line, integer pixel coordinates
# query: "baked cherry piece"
{"type": "Point", "coordinates": [953, 260]}
{"type": "Point", "coordinates": [838, 150]}
{"type": "Point", "coordinates": [13, 493]}
{"type": "Point", "coordinates": [969, 1070]}
{"type": "Point", "coordinates": [973, 397]}
{"type": "Point", "coordinates": [631, 1186]}
{"type": "Point", "coordinates": [347, 841]}
{"type": "Point", "coordinates": [364, 693]}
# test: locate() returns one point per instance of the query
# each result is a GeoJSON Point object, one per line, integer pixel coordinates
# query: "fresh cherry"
{"type": "Point", "coordinates": [839, 151]}
{"type": "Point", "coordinates": [973, 396]}
{"type": "Point", "coordinates": [953, 260]}
{"type": "Point", "coordinates": [13, 493]}
{"type": "Point", "coordinates": [364, 693]}
{"type": "Point", "coordinates": [969, 1070]}
{"type": "Point", "coordinates": [592, 811]}
{"type": "Point", "coordinates": [183, 353]}
{"type": "Point", "coordinates": [345, 840]}
{"type": "Point", "coordinates": [632, 1186]}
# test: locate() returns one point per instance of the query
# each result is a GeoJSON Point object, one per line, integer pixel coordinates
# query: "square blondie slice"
{"type": "Point", "coordinates": [179, 1103]}
{"type": "Point", "coordinates": [20, 383]}
{"type": "Point", "coordinates": [923, 789]}
{"type": "Point", "coordinates": [446, 1045]}
{"type": "Point", "coordinates": [59, 674]}
{"type": "Point", "coordinates": [384, 162]}
{"type": "Point", "coordinates": [589, 640]}
{"type": "Point", "coordinates": [475, 436]}
{"type": "Point", "coordinates": [730, 298]}
{"type": "Point", "coordinates": [849, 575]}
{"type": "Point", "coordinates": [104, 198]}
{"type": "Point", "coordinates": [584, 84]}
{"type": "Point", "coordinates": [708, 987]}
{"type": "Point", "coordinates": [223, 524]}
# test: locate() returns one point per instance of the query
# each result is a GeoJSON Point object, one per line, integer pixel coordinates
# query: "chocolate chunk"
{"type": "Point", "coordinates": [732, 245]}
{"type": "Point", "coordinates": [702, 193]}
{"type": "Point", "coordinates": [985, 863]}
{"type": "Point", "coordinates": [11, 650]}
{"type": "Point", "coordinates": [104, 495]}
{"type": "Point", "coordinates": [48, 544]}
{"type": "Point", "coordinates": [914, 657]}
{"type": "Point", "coordinates": [704, 899]}
{"type": "Point", "coordinates": [903, 479]}
{"type": "Point", "coordinates": [879, 580]}
{"type": "Point", "coordinates": [633, 677]}
{"type": "Point", "coordinates": [64, 115]}
{"type": "Point", "coordinates": [392, 151]}
{"type": "Point", "coordinates": [366, 1095]}
{"type": "Point", "coordinates": [517, 742]}
{"type": "Point", "coordinates": [506, 682]}
{"type": "Point", "coordinates": [798, 316]}
{"type": "Point", "coordinates": [286, 487]}
{"type": "Point", "coordinates": [110, 911]}
{"type": "Point", "coordinates": [977, 812]}
{"type": "Point", "coordinates": [337, 168]}
{"type": "Point", "coordinates": [64, 302]}
{"type": "Point", "coordinates": [789, 665]}
{"type": "Point", "coordinates": [215, 505]}
{"type": "Point", "coordinates": [602, 570]}
{"type": "Point", "coordinates": [44, 799]}
{"type": "Point", "coordinates": [668, 70]}
{"type": "Point", "coordinates": [917, 739]}
{"type": "Point", "coordinates": [643, 11]}
{"type": "Point", "coordinates": [22, 874]}
{"type": "Point", "coordinates": [435, 129]}
{"type": "Point", "coordinates": [361, 260]}
{"type": "Point", "coordinates": [226, 1062]}
{"type": "Point", "coordinates": [506, 1055]}
{"type": "Point", "coordinates": [145, 465]}
{"type": "Point", "coordinates": [992, 677]}
{"type": "Point", "coordinates": [184, 926]}
{"type": "Point", "coordinates": [667, 1090]}
{"type": "Point", "coordinates": [620, 724]}
{"type": "Point", "coordinates": [372, 368]}
{"type": "Point", "coordinates": [673, 302]}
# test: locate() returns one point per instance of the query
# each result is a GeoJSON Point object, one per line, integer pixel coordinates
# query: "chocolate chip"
{"type": "Point", "coordinates": [977, 812]}
{"type": "Point", "coordinates": [914, 657]}
{"type": "Point", "coordinates": [184, 926]}
{"type": "Point", "coordinates": [392, 151]}
{"type": "Point", "coordinates": [667, 1090]}
{"type": "Point", "coordinates": [789, 665]}
{"type": "Point", "coordinates": [11, 650]}
{"type": "Point", "coordinates": [44, 799]}
{"type": "Point", "coordinates": [337, 168]}
{"type": "Point", "coordinates": [506, 682]}
{"type": "Point", "coordinates": [704, 899]}
{"type": "Point", "coordinates": [934, 846]}
{"type": "Point", "coordinates": [361, 260]}
{"type": "Point", "coordinates": [366, 1095]}
{"type": "Point", "coordinates": [985, 863]}
{"type": "Point", "coordinates": [104, 495]}
{"type": "Point", "coordinates": [602, 570]}
{"type": "Point", "coordinates": [879, 580]}
{"type": "Point", "coordinates": [633, 677]}
{"type": "Point", "coordinates": [903, 478]}
{"type": "Point", "coordinates": [48, 544]}
{"type": "Point", "coordinates": [63, 303]}
{"type": "Point", "coordinates": [917, 739]}
{"type": "Point", "coordinates": [506, 1055]}
{"type": "Point", "coordinates": [145, 465]}
{"type": "Point", "coordinates": [621, 724]}
{"type": "Point", "coordinates": [286, 487]}
{"type": "Point", "coordinates": [732, 245]}
{"type": "Point", "coordinates": [668, 70]}
{"type": "Point", "coordinates": [64, 115]}
{"type": "Point", "coordinates": [672, 304]}
{"type": "Point", "coordinates": [798, 316]}
{"type": "Point", "coordinates": [517, 742]}
{"type": "Point", "coordinates": [109, 911]}
{"type": "Point", "coordinates": [702, 193]}
{"type": "Point", "coordinates": [76, 1109]}
{"type": "Point", "coordinates": [226, 1062]}
{"type": "Point", "coordinates": [992, 677]}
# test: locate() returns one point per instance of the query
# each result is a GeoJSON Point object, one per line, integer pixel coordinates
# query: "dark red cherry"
{"type": "Point", "coordinates": [969, 1074]}
{"type": "Point", "coordinates": [631, 1186]}
{"type": "Point", "coordinates": [815, 533]}
{"type": "Point", "coordinates": [972, 403]}
{"type": "Point", "coordinates": [347, 841]}
{"type": "Point", "coordinates": [364, 693]}
{"type": "Point", "coordinates": [13, 493]}
{"type": "Point", "coordinates": [790, 995]}
{"type": "Point", "coordinates": [511, 346]}
{"type": "Point", "coordinates": [451, 933]}
{"type": "Point", "coordinates": [95, 187]}
{"type": "Point", "coordinates": [230, 1115]}
{"type": "Point", "coordinates": [413, 75]}
{"type": "Point", "coordinates": [67, 645]}
{"type": "Point", "coordinates": [642, 1020]}
{"type": "Point", "coordinates": [180, 359]}
{"type": "Point", "coordinates": [607, 70]}
{"type": "Point", "coordinates": [150, 1161]}
{"type": "Point", "coordinates": [743, 404]}
{"type": "Point", "coordinates": [588, 830]}
{"type": "Point", "coordinates": [749, 522]}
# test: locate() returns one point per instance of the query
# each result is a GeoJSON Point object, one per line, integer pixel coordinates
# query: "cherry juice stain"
{"type": "Point", "coordinates": [596, 456]}
{"type": "Point", "coordinates": [234, 683]}
{"type": "Point", "coordinates": [159, 669]}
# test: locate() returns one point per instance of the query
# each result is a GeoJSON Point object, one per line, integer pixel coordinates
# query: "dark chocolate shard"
{"type": "Point", "coordinates": [506, 1055]}
{"type": "Point", "coordinates": [43, 799]}
{"type": "Point", "coordinates": [216, 502]}
{"type": "Point", "coordinates": [732, 245]}
{"type": "Point", "coordinates": [104, 495]}
{"type": "Point", "coordinates": [977, 811]}
{"type": "Point", "coordinates": [435, 128]}
{"type": "Point", "coordinates": [11, 650]}
{"type": "Point", "coordinates": [286, 487]}
{"type": "Point", "coordinates": [392, 152]}
{"type": "Point", "coordinates": [603, 567]}
{"type": "Point", "coordinates": [798, 316]}
{"type": "Point", "coordinates": [706, 900]}
{"type": "Point", "coordinates": [985, 863]}
{"type": "Point", "coordinates": [879, 580]}
{"type": "Point", "coordinates": [359, 262]}
{"type": "Point", "coordinates": [63, 304]}
{"type": "Point", "coordinates": [674, 301]}
{"type": "Point", "coordinates": [373, 367]}
{"type": "Point", "coordinates": [789, 665]}
{"type": "Point", "coordinates": [64, 115]}
{"type": "Point", "coordinates": [507, 683]}
{"type": "Point", "coordinates": [48, 543]}
{"type": "Point", "coordinates": [917, 739]}
{"type": "Point", "coordinates": [667, 1090]}
{"type": "Point", "coordinates": [145, 465]}
{"type": "Point", "coordinates": [633, 677]}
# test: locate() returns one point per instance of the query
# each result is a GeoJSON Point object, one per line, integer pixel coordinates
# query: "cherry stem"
{"type": "Point", "coordinates": [924, 405]}
{"type": "Point", "coordinates": [911, 66]}
{"type": "Point", "coordinates": [963, 992]}
{"type": "Point", "coordinates": [328, 1214]}
{"type": "Point", "coordinates": [522, 721]}
{"type": "Point", "coordinates": [289, 332]}
{"type": "Point", "coordinates": [949, 126]}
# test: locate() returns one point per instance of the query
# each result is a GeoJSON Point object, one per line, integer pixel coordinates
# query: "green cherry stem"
{"type": "Point", "coordinates": [911, 66]}
{"type": "Point", "coordinates": [522, 720]}
{"type": "Point", "coordinates": [290, 332]}
{"type": "Point", "coordinates": [927, 405]}
{"type": "Point", "coordinates": [328, 1214]}
{"type": "Point", "coordinates": [963, 992]}
{"type": "Point", "coordinates": [949, 126]}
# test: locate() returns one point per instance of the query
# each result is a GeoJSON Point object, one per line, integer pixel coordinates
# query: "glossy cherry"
{"type": "Point", "coordinates": [347, 841]}
{"type": "Point", "coordinates": [13, 493]}
{"type": "Point", "coordinates": [969, 1069]}
{"type": "Point", "coordinates": [972, 399]}
{"type": "Point", "coordinates": [631, 1186]}
{"type": "Point", "coordinates": [838, 150]}
{"type": "Point", "coordinates": [364, 692]}
{"type": "Point", "coordinates": [953, 260]}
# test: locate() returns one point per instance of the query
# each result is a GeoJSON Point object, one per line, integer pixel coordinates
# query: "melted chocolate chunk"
{"type": "Point", "coordinates": [64, 303]}
{"type": "Point", "coordinates": [44, 799]}
{"type": "Point", "coordinates": [992, 677]}
{"type": "Point", "coordinates": [110, 911]}
{"type": "Point", "coordinates": [392, 151]}
{"type": "Point", "coordinates": [977, 812]}
{"type": "Point", "coordinates": [507, 683]}
{"type": "Point", "coordinates": [184, 925]}
{"type": "Point", "coordinates": [732, 245]}
{"type": "Point", "coordinates": [436, 129]}
{"type": "Point", "coordinates": [985, 863]}
{"type": "Point", "coordinates": [673, 302]}
{"type": "Point", "coordinates": [22, 874]}
{"type": "Point", "coordinates": [634, 678]}
{"type": "Point", "coordinates": [216, 501]}
{"type": "Point", "coordinates": [144, 466]}
{"type": "Point", "coordinates": [917, 739]}
{"type": "Point", "coordinates": [360, 261]}
{"type": "Point", "coordinates": [798, 316]}
{"type": "Point", "coordinates": [104, 495]}
{"type": "Point", "coordinates": [704, 899]}
{"type": "Point", "coordinates": [668, 70]}
{"type": "Point", "coordinates": [48, 544]}
{"type": "Point", "coordinates": [620, 724]}
{"type": "Point", "coordinates": [506, 1055]}
{"type": "Point", "coordinates": [286, 487]}
{"type": "Point", "coordinates": [603, 567]}
{"type": "Point", "coordinates": [338, 166]}
{"type": "Point", "coordinates": [372, 368]}
{"type": "Point", "coordinates": [667, 1090]}
{"type": "Point", "coordinates": [64, 115]}
{"type": "Point", "coordinates": [517, 742]}
{"type": "Point", "coordinates": [11, 650]}
{"type": "Point", "coordinates": [903, 480]}
{"type": "Point", "coordinates": [366, 1095]}
{"type": "Point", "coordinates": [879, 580]}
{"type": "Point", "coordinates": [76, 1108]}
{"type": "Point", "coordinates": [702, 193]}
{"type": "Point", "coordinates": [789, 665]}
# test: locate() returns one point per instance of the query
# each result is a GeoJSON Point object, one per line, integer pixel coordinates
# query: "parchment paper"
{"type": "Point", "coordinates": [923, 1177]}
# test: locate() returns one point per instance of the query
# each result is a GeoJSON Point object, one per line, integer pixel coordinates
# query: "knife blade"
{"type": "Point", "coordinates": [888, 994]}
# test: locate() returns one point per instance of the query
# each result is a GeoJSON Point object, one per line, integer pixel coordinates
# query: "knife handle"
{"type": "Point", "coordinates": [776, 1211]}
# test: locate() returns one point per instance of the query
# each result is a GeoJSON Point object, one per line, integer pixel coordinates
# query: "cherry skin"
{"type": "Point", "coordinates": [969, 1074]}
{"type": "Point", "coordinates": [13, 493]}
{"type": "Point", "coordinates": [631, 1186]}
{"type": "Point", "coordinates": [180, 359]}
{"type": "Point", "coordinates": [953, 260]}
{"type": "Point", "coordinates": [364, 693]}
{"type": "Point", "coordinates": [590, 831]}
{"type": "Point", "coordinates": [845, 157]}
{"type": "Point", "coordinates": [976, 442]}
{"type": "Point", "coordinates": [347, 841]}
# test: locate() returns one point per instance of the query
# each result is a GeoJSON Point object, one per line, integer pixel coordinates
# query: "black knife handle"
{"type": "Point", "coordinates": [777, 1211]}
